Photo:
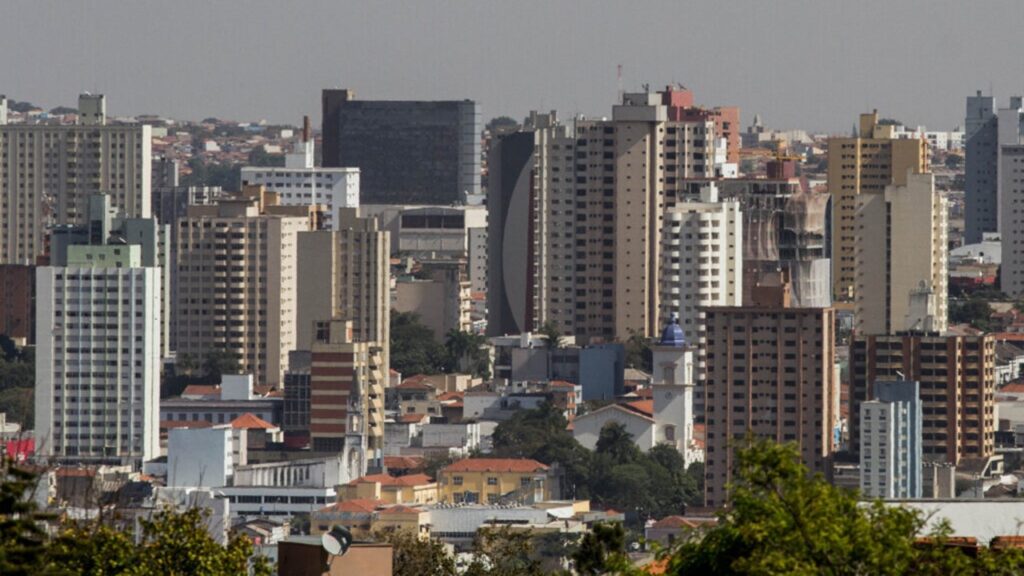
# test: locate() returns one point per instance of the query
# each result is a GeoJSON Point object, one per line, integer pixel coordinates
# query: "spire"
{"type": "Point", "coordinates": [672, 335]}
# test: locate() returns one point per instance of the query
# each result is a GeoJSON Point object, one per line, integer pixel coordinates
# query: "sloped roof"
{"type": "Point", "coordinates": [356, 505]}
{"type": "Point", "coordinates": [414, 383]}
{"type": "Point", "coordinates": [249, 421]}
{"type": "Point", "coordinates": [389, 480]}
{"type": "Point", "coordinates": [411, 418]}
{"type": "Point", "coordinates": [403, 462]}
{"type": "Point", "coordinates": [400, 509]}
{"type": "Point", "coordinates": [645, 407]}
{"type": "Point", "coordinates": [632, 412]}
{"type": "Point", "coordinates": [495, 465]}
{"type": "Point", "coordinates": [450, 396]}
{"type": "Point", "coordinates": [200, 390]}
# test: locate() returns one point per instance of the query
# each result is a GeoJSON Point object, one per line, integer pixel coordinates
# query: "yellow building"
{"type": "Point", "coordinates": [402, 517]}
{"type": "Point", "coordinates": [492, 480]}
{"type": "Point", "coordinates": [877, 158]}
{"type": "Point", "coordinates": [411, 489]}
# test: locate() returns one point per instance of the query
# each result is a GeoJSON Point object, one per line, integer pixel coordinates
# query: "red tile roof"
{"type": "Point", "coordinates": [645, 407]}
{"type": "Point", "coordinates": [562, 384]}
{"type": "Point", "coordinates": [200, 390]}
{"type": "Point", "coordinates": [411, 418]}
{"type": "Point", "coordinates": [403, 462]}
{"type": "Point", "coordinates": [414, 383]}
{"type": "Point", "coordinates": [495, 465]}
{"type": "Point", "coordinates": [249, 421]}
{"type": "Point", "coordinates": [451, 396]}
{"type": "Point", "coordinates": [357, 505]}
{"type": "Point", "coordinates": [1012, 388]}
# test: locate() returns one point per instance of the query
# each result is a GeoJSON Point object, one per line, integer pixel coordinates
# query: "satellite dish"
{"type": "Point", "coordinates": [337, 541]}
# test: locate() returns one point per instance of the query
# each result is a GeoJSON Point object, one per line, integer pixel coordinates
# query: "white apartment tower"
{"type": "Point", "coordinates": [48, 172]}
{"type": "Point", "coordinates": [98, 366]}
{"type": "Point", "coordinates": [1010, 194]}
{"type": "Point", "coordinates": [701, 260]}
{"type": "Point", "coordinates": [901, 258]}
{"type": "Point", "coordinates": [302, 183]}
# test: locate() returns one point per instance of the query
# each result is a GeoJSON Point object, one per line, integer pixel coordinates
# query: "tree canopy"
{"type": "Point", "coordinates": [784, 521]}
{"type": "Point", "coordinates": [414, 350]}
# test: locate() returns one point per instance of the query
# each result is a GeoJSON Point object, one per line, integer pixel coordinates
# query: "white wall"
{"type": "Point", "coordinates": [199, 457]}
{"type": "Point", "coordinates": [587, 428]}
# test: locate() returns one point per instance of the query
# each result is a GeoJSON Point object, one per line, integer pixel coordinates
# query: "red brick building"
{"type": "Point", "coordinates": [17, 302]}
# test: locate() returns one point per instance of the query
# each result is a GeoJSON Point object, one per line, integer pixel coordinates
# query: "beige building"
{"type": "Point", "coordinates": [901, 259]}
{"type": "Point", "coordinates": [769, 374]}
{"type": "Point", "coordinates": [443, 302]}
{"type": "Point", "coordinates": [237, 281]}
{"type": "Point", "coordinates": [957, 377]}
{"type": "Point", "coordinates": [862, 165]}
{"type": "Point", "coordinates": [575, 216]}
{"type": "Point", "coordinates": [345, 273]}
{"type": "Point", "coordinates": [48, 172]}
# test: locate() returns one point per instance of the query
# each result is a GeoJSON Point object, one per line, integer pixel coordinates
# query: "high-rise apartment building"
{"type": "Point", "coordinates": [347, 380]}
{"type": "Point", "coordinates": [770, 374]}
{"type": "Point", "coordinates": [701, 260]}
{"type": "Point", "coordinates": [98, 357]}
{"type": "Point", "coordinates": [407, 152]}
{"type": "Point", "coordinates": [301, 183]}
{"type": "Point", "coordinates": [345, 274]}
{"type": "Point", "coordinates": [48, 172]}
{"type": "Point", "coordinates": [864, 164]}
{"type": "Point", "coordinates": [1010, 192]}
{"type": "Point", "coordinates": [577, 242]}
{"type": "Point", "coordinates": [957, 388]}
{"type": "Point", "coordinates": [237, 276]}
{"type": "Point", "coordinates": [980, 168]}
{"type": "Point", "coordinates": [890, 441]}
{"type": "Point", "coordinates": [901, 258]}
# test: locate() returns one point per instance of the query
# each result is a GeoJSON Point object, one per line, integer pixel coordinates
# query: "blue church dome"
{"type": "Point", "coordinates": [672, 335]}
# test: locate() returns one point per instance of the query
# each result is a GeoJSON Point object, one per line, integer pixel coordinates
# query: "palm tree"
{"type": "Point", "coordinates": [466, 351]}
{"type": "Point", "coordinates": [553, 334]}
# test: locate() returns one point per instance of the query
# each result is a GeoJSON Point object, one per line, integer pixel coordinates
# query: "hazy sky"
{"type": "Point", "coordinates": [812, 64]}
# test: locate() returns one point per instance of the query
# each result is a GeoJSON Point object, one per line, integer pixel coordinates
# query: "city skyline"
{"type": "Point", "coordinates": [729, 55]}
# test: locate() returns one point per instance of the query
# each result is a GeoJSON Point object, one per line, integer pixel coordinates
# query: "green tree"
{"type": "Point", "coordinates": [503, 552]}
{"type": "Point", "coordinates": [467, 353]}
{"type": "Point", "coordinates": [615, 441]}
{"type": "Point", "coordinates": [218, 362]}
{"type": "Point", "coordinates": [638, 352]}
{"type": "Point", "coordinates": [602, 550]}
{"type": "Point", "coordinates": [22, 541]}
{"type": "Point", "coordinates": [552, 333]}
{"type": "Point", "coordinates": [413, 347]}
{"type": "Point", "coordinates": [415, 556]}
{"type": "Point", "coordinates": [784, 521]}
{"type": "Point", "coordinates": [972, 311]}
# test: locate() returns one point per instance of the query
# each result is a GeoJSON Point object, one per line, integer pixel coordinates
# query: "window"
{"type": "Point", "coordinates": [492, 481]}
{"type": "Point", "coordinates": [457, 480]}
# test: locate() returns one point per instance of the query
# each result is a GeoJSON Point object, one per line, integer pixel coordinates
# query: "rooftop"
{"type": "Point", "coordinates": [496, 465]}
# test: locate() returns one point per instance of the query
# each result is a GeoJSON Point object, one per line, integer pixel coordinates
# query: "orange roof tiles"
{"type": "Point", "coordinates": [200, 390]}
{"type": "Point", "coordinates": [645, 407]}
{"type": "Point", "coordinates": [411, 418]}
{"type": "Point", "coordinates": [356, 505]}
{"type": "Point", "coordinates": [403, 462]}
{"type": "Point", "coordinates": [495, 465]}
{"type": "Point", "coordinates": [249, 420]}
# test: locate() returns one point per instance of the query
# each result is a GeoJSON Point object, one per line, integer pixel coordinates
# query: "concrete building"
{"type": "Point", "coordinates": [494, 480]}
{"type": "Point", "coordinates": [701, 260]}
{"type": "Point", "coordinates": [1010, 195]}
{"type": "Point", "coordinates": [770, 373]}
{"type": "Point", "coordinates": [957, 379]}
{"type": "Point", "coordinates": [864, 164]}
{"type": "Point", "coordinates": [890, 440]}
{"type": "Point", "coordinates": [579, 244]}
{"type": "Point", "coordinates": [347, 380]}
{"type": "Point", "coordinates": [408, 152]}
{"type": "Point", "coordinates": [301, 183]}
{"type": "Point", "coordinates": [49, 172]}
{"type": "Point", "coordinates": [981, 168]}
{"type": "Point", "coordinates": [237, 282]}
{"type": "Point", "coordinates": [442, 302]}
{"type": "Point", "coordinates": [98, 331]}
{"type": "Point", "coordinates": [901, 258]}
{"type": "Point", "coordinates": [200, 457]}
{"type": "Point", "coordinates": [17, 302]}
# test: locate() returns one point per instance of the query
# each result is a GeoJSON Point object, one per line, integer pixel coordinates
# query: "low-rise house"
{"type": "Point", "coordinates": [671, 529]}
{"type": "Point", "coordinates": [411, 489]}
{"type": "Point", "coordinates": [494, 480]}
{"type": "Point", "coordinates": [355, 515]}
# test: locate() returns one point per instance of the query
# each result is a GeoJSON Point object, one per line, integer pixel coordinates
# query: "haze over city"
{"type": "Point", "coordinates": [808, 65]}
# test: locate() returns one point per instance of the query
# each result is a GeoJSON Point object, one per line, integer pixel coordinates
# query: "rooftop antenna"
{"type": "Point", "coordinates": [618, 80]}
{"type": "Point", "coordinates": [336, 543]}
